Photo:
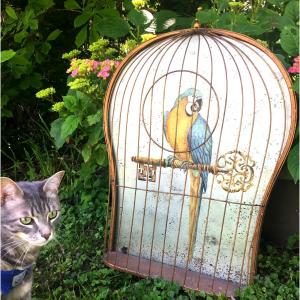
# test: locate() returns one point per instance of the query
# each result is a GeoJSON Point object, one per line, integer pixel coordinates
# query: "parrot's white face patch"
{"type": "Point", "coordinates": [190, 191]}
{"type": "Point", "coordinates": [188, 109]}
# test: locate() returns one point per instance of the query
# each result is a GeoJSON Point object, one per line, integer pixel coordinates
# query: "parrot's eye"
{"type": "Point", "coordinates": [188, 109]}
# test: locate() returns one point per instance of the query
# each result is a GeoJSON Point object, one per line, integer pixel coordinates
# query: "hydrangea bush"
{"type": "Point", "coordinates": [79, 123]}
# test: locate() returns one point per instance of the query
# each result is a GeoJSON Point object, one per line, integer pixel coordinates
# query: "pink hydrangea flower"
{"type": "Point", "coordinates": [117, 63]}
{"type": "Point", "coordinates": [95, 64]}
{"type": "Point", "coordinates": [106, 68]}
{"type": "Point", "coordinates": [74, 72]}
{"type": "Point", "coordinates": [103, 73]}
{"type": "Point", "coordinates": [295, 68]}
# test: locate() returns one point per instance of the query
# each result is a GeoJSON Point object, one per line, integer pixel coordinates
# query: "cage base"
{"type": "Point", "coordinates": [186, 278]}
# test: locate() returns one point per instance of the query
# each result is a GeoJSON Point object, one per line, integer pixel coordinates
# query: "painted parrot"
{"type": "Point", "coordinates": [189, 135]}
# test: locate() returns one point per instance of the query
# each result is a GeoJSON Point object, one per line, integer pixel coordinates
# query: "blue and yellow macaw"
{"type": "Point", "coordinates": [189, 136]}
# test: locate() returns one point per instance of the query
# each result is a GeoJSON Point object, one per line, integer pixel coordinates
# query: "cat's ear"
{"type": "Point", "coordinates": [52, 184]}
{"type": "Point", "coordinates": [9, 189]}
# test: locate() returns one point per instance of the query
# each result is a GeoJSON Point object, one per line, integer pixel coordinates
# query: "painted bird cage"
{"type": "Point", "coordinates": [198, 124]}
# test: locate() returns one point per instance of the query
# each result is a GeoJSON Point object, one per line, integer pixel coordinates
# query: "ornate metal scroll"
{"type": "Point", "coordinates": [240, 173]}
{"type": "Point", "coordinates": [234, 169]}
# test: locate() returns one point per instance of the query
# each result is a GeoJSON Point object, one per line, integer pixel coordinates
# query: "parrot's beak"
{"type": "Point", "coordinates": [199, 102]}
{"type": "Point", "coordinates": [196, 107]}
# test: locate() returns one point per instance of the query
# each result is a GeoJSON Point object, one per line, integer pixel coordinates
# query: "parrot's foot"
{"type": "Point", "coordinates": [170, 160]}
{"type": "Point", "coordinates": [185, 165]}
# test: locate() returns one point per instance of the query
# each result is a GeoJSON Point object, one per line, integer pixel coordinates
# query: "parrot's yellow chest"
{"type": "Point", "coordinates": [177, 135]}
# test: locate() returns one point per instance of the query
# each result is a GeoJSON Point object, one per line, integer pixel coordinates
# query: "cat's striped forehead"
{"type": "Point", "coordinates": [35, 198]}
{"type": "Point", "coordinates": [34, 201]}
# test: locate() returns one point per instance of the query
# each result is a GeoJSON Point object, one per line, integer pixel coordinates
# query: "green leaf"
{"type": "Point", "coordinates": [137, 18]}
{"type": "Point", "coordinates": [95, 134]}
{"type": "Point", "coordinates": [81, 36]}
{"type": "Point", "coordinates": [34, 24]}
{"type": "Point", "coordinates": [82, 19]}
{"type": "Point", "coordinates": [11, 12]}
{"type": "Point", "coordinates": [71, 103]}
{"type": "Point", "coordinates": [27, 17]}
{"type": "Point", "coordinates": [83, 97]}
{"type": "Point", "coordinates": [275, 2]}
{"type": "Point", "coordinates": [293, 162]}
{"type": "Point", "coordinates": [93, 119]}
{"type": "Point", "coordinates": [128, 4]}
{"type": "Point", "coordinates": [225, 20]}
{"type": "Point", "coordinates": [270, 19]}
{"type": "Point", "coordinates": [86, 152]}
{"type": "Point", "coordinates": [7, 55]}
{"type": "Point", "coordinates": [289, 38]}
{"type": "Point", "coordinates": [55, 132]}
{"type": "Point", "coordinates": [207, 16]}
{"type": "Point", "coordinates": [35, 80]}
{"type": "Point", "coordinates": [293, 241]}
{"type": "Point", "coordinates": [296, 85]}
{"type": "Point", "coordinates": [69, 125]}
{"type": "Point", "coordinates": [45, 48]}
{"type": "Point", "coordinates": [222, 4]}
{"type": "Point", "coordinates": [40, 6]}
{"type": "Point", "coordinates": [54, 35]}
{"type": "Point", "coordinates": [291, 10]}
{"type": "Point", "coordinates": [113, 28]}
{"type": "Point", "coordinates": [165, 19]}
{"type": "Point", "coordinates": [19, 37]}
{"type": "Point", "coordinates": [282, 59]}
{"type": "Point", "coordinates": [110, 24]}
{"type": "Point", "coordinates": [108, 13]}
{"type": "Point", "coordinates": [19, 65]}
{"type": "Point", "coordinates": [242, 25]}
{"type": "Point", "coordinates": [183, 22]}
{"type": "Point", "coordinates": [71, 4]}
{"type": "Point", "coordinates": [101, 155]}
{"type": "Point", "coordinates": [94, 35]}
{"type": "Point", "coordinates": [4, 100]}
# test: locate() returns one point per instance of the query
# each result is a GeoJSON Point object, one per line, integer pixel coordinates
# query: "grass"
{"type": "Point", "coordinates": [72, 267]}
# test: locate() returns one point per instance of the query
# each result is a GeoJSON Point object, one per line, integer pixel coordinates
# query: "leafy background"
{"type": "Point", "coordinates": [52, 119]}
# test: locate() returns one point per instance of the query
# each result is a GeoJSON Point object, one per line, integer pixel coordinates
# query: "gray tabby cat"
{"type": "Point", "coordinates": [29, 212]}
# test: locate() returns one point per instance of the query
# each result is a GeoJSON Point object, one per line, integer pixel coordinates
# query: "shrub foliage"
{"type": "Point", "coordinates": [57, 58]}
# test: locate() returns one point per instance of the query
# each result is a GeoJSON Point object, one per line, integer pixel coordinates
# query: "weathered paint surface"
{"type": "Point", "coordinates": [246, 105]}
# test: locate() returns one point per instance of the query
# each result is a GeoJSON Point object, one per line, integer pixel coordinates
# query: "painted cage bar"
{"type": "Point", "coordinates": [198, 124]}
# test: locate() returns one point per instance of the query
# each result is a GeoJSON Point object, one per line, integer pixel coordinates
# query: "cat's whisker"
{"type": "Point", "coordinates": [25, 256]}
{"type": "Point", "coordinates": [12, 242]}
{"type": "Point", "coordinates": [13, 247]}
{"type": "Point", "coordinates": [21, 256]}
{"type": "Point", "coordinates": [8, 240]}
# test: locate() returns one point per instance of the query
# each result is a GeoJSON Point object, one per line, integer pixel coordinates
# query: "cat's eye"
{"type": "Point", "coordinates": [52, 214]}
{"type": "Point", "coordinates": [26, 220]}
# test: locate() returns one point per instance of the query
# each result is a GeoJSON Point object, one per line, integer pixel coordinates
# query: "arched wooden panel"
{"type": "Point", "coordinates": [198, 124]}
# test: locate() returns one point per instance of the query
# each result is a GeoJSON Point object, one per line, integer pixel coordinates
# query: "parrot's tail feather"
{"type": "Point", "coordinates": [193, 230]}
{"type": "Point", "coordinates": [195, 199]}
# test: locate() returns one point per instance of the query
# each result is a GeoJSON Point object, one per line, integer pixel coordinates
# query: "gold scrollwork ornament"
{"type": "Point", "coordinates": [237, 172]}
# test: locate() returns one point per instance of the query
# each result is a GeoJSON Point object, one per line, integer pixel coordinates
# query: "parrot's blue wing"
{"type": "Point", "coordinates": [198, 133]}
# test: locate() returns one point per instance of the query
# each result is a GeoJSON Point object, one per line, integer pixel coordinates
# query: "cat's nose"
{"type": "Point", "coordinates": [46, 235]}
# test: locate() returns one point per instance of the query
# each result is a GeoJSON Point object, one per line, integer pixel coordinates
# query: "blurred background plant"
{"type": "Point", "coordinates": [57, 58]}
